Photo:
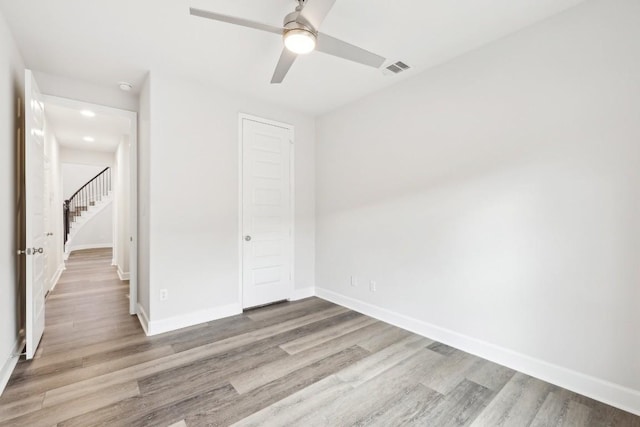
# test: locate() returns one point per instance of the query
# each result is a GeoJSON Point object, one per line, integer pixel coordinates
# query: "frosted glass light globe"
{"type": "Point", "coordinates": [300, 41]}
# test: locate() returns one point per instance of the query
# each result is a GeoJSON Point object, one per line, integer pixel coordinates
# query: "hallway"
{"type": "Point", "coordinates": [88, 332]}
{"type": "Point", "coordinates": [89, 304]}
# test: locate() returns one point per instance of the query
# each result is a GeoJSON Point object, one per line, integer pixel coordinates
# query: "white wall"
{"type": "Point", "coordinates": [495, 200]}
{"type": "Point", "coordinates": [86, 157]}
{"type": "Point", "coordinates": [194, 189]}
{"type": "Point", "coordinates": [11, 89]}
{"type": "Point", "coordinates": [75, 175]}
{"type": "Point", "coordinates": [96, 232]}
{"type": "Point", "coordinates": [144, 186]}
{"type": "Point", "coordinates": [121, 208]}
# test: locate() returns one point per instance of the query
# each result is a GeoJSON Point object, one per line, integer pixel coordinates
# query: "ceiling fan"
{"type": "Point", "coordinates": [301, 36]}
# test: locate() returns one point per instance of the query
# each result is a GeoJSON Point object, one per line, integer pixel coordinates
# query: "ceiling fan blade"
{"type": "Point", "coordinates": [233, 20]}
{"type": "Point", "coordinates": [335, 47]}
{"type": "Point", "coordinates": [314, 11]}
{"type": "Point", "coordinates": [284, 63]}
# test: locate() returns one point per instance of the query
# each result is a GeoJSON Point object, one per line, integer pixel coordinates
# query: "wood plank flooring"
{"type": "Point", "coordinates": [306, 363]}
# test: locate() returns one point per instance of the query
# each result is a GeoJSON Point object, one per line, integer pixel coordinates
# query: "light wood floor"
{"type": "Point", "coordinates": [308, 363]}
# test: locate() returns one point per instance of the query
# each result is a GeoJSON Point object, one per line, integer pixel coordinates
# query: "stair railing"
{"type": "Point", "coordinates": [88, 195]}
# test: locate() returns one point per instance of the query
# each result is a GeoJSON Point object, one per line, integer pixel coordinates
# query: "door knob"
{"type": "Point", "coordinates": [247, 238]}
{"type": "Point", "coordinates": [30, 251]}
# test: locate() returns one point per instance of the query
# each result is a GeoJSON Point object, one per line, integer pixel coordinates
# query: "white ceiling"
{"type": "Point", "coordinates": [70, 128]}
{"type": "Point", "coordinates": [105, 42]}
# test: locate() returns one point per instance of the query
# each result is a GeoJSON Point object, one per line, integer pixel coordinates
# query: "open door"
{"type": "Point", "coordinates": [34, 211]}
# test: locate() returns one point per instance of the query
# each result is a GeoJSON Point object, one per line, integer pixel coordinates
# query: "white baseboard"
{"type": "Point", "coordinates": [303, 293]}
{"type": "Point", "coordinates": [612, 394]}
{"type": "Point", "coordinates": [9, 365]}
{"type": "Point", "coordinates": [143, 318]}
{"type": "Point", "coordinates": [87, 246]}
{"type": "Point", "coordinates": [56, 277]}
{"type": "Point", "coordinates": [122, 275]}
{"type": "Point", "coordinates": [155, 327]}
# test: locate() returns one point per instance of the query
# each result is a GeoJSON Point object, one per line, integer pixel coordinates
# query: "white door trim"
{"type": "Point", "coordinates": [290, 128]}
{"type": "Point", "coordinates": [133, 181]}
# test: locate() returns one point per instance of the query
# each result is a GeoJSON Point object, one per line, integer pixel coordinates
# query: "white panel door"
{"type": "Point", "coordinates": [50, 266]}
{"type": "Point", "coordinates": [267, 223]}
{"type": "Point", "coordinates": [34, 211]}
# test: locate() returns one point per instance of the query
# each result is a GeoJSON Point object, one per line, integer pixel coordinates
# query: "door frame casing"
{"type": "Point", "coordinates": [133, 181]}
{"type": "Point", "coordinates": [291, 129]}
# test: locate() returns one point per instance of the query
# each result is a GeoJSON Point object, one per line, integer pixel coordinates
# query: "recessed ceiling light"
{"type": "Point", "coordinates": [125, 86]}
{"type": "Point", "coordinates": [88, 113]}
{"type": "Point", "coordinates": [89, 139]}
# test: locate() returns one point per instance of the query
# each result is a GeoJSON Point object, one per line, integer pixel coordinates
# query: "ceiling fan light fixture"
{"type": "Point", "coordinates": [300, 41]}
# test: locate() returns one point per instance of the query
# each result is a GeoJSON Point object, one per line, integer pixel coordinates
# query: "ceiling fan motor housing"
{"type": "Point", "coordinates": [293, 21]}
{"type": "Point", "coordinates": [298, 35]}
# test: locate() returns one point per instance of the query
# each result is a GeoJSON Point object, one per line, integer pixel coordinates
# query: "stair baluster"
{"type": "Point", "coordinates": [88, 195]}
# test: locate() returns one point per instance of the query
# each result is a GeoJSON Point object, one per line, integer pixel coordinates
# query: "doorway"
{"type": "Point", "coordinates": [96, 152]}
{"type": "Point", "coordinates": [266, 198]}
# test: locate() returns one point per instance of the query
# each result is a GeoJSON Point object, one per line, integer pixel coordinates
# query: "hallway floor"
{"type": "Point", "coordinates": [306, 363]}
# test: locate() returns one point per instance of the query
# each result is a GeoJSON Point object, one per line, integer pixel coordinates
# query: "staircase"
{"type": "Point", "coordinates": [85, 203]}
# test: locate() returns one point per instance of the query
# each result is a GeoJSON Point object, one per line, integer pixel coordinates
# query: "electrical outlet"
{"type": "Point", "coordinates": [354, 281]}
{"type": "Point", "coordinates": [164, 294]}
{"type": "Point", "coordinates": [372, 285]}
